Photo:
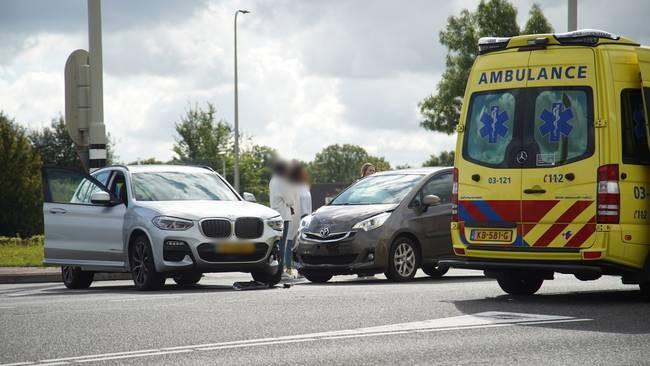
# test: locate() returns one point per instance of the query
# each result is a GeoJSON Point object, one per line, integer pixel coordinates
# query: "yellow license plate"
{"type": "Point", "coordinates": [490, 235]}
{"type": "Point", "coordinates": [235, 248]}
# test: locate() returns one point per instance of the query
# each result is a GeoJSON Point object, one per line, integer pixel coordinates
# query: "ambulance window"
{"type": "Point", "coordinates": [563, 126]}
{"type": "Point", "coordinates": [635, 143]}
{"type": "Point", "coordinates": [489, 127]}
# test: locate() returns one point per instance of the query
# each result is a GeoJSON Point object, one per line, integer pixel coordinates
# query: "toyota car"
{"type": "Point", "coordinates": [390, 222]}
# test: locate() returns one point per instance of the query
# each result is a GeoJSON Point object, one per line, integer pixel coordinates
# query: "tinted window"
{"type": "Point", "coordinates": [562, 126]}
{"type": "Point", "coordinates": [490, 126]}
{"type": "Point", "coordinates": [635, 143]}
{"type": "Point", "coordinates": [118, 187]}
{"type": "Point", "coordinates": [66, 186]}
{"type": "Point", "coordinates": [185, 186]}
{"type": "Point", "coordinates": [440, 186]}
{"type": "Point", "coordinates": [378, 189]}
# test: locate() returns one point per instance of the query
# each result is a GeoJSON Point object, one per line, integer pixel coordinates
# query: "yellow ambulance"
{"type": "Point", "coordinates": [552, 169]}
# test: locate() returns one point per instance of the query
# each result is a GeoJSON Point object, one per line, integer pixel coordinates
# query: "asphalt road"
{"type": "Point", "coordinates": [460, 319]}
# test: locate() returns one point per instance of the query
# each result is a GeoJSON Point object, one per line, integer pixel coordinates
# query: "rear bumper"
{"type": "Point", "coordinates": [568, 267]}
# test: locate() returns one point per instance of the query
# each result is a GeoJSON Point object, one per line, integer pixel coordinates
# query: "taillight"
{"type": "Point", "coordinates": [454, 197]}
{"type": "Point", "coordinates": [609, 197]}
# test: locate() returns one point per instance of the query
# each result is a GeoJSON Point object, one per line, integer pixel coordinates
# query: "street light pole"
{"type": "Point", "coordinates": [572, 23]}
{"type": "Point", "coordinates": [236, 179]}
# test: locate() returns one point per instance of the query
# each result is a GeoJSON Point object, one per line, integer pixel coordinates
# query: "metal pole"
{"type": "Point", "coordinates": [223, 161]}
{"type": "Point", "coordinates": [97, 130]}
{"type": "Point", "coordinates": [236, 114]}
{"type": "Point", "coordinates": [573, 15]}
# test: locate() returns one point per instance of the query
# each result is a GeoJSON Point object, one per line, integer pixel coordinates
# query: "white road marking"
{"type": "Point", "coordinates": [489, 319]}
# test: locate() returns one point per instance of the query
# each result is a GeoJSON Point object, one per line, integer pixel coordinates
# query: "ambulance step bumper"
{"type": "Point", "coordinates": [497, 265]}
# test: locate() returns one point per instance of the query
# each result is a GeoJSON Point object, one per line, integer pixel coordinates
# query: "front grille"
{"type": "Point", "coordinates": [329, 259]}
{"type": "Point", "coordinates": [330, 237]}
{"type": "Point", "coordinates": [208, 253]}
{"type": "Point", "coordinates": [216, 228]}
{"type": "Point", "coordinates": [249, 227]}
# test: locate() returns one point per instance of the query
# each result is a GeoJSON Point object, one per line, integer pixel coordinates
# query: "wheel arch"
{"type": "Point", "coordinates": [407, 234]}
{"type": "Point", "coordinates": [135, 232]}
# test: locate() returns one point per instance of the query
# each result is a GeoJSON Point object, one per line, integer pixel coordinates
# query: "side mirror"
{"type": "Point", "coordinates": [249, 197]}
{"type": "Point", "coordinates": [101, 198]}
{"type": "Point", "coordinates": [430, 200]}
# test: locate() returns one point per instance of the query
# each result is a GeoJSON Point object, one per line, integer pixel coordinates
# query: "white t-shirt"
{"type": "Point", "coordinates": [280, 196]}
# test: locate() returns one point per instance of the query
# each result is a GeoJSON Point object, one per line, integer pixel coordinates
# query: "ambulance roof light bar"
{"type": "Point", "coordinates": [584, 36]}
{"type": "Point", "coordinates": [487, 44]}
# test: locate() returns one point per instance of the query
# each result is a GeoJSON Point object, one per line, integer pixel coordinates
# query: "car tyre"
{"type": "Point", "coordinates": [519, 285]}
{"type": "Point", "coordinates": [645, 290]}
{"type": "Point", "coordinates": [75, 279]}
{"type": "Point", "coordinates": [188, 279]}
{"type": "Point", "coordinates": [271, 275]}
{"type": "Point", "coordinates": [403, 260]}
{"type": "Point", "coordinates": [143, 269]}
{"type": "Point", "coordinates": [434, 270]}
{"type": "Point", "coordinates": [317, 277]}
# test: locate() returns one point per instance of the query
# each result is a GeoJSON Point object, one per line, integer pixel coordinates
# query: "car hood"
{"type": "Point", "coordinates": [342, 218]}
{"type": "Point", "coordinates": [196, 210]}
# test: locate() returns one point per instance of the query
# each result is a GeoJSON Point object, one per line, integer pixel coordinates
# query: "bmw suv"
{"type": "Point", "coordinates": [155, 221]}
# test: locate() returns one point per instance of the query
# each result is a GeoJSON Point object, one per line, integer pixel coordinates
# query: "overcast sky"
{"type": "Point", "coordinates": [311, 73]}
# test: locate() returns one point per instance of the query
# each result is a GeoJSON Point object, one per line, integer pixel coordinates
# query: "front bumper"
{"type": "Point", "coordinates": [198, 252]}
{"type": "Point", "coordinates": [360, 252]}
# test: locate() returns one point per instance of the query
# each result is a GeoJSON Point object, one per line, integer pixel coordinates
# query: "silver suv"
{"type": "Point", "coordinates": [155, 221]}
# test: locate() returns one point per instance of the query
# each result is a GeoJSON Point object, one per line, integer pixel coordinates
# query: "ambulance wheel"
{"type": "Point", "coordinates": [519, 285]}
{"type": "Point", "coordinates": [645, 290]}
{"type": "Point", "coordinates": [74, 278]}
{"type": "Point", "coordinates": [434, 270]}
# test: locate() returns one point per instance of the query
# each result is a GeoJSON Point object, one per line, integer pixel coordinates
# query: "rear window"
{"type": "Point", "coordinates": [553, 125]}
{"type": "Point", "coordinates": [635, 142]}
{"type": "Point", "coordinates": [562, 125]}
{"type": "Point", "coordinates": [490, 126]}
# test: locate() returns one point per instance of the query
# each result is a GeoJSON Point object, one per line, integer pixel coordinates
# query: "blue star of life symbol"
{"type": "Point", "coordinates": [493, 124]}
{"type": "Point", "coordinates": [639, 124]}
{"type": "Point", "coordinates": [556, 122]}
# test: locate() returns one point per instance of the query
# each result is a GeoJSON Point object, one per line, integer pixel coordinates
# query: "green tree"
{"type": "Point", "coordinates": [20, 182]}
{"type": "Point", "coordinates": [256, 168]}
{"type": "Point", "coordinates": [201, 138]}
{"type": "Point", "coordinates": [441, 110]}
{"type": "Point", "coordinates": [446, 158]}
{"type": "Point", "coordinates": [149, 161]}
{"type": "Point", "coordinates": [537, 22]}
{"type": "Point", "coordinates": [342, 163]}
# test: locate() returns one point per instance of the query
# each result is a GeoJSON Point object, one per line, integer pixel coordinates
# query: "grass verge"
{"type": "Point", "coordinates": [17, 252]}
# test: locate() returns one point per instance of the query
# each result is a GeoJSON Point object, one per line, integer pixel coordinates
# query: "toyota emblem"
{"type": "Point", "coordinates": [522, 156]}
{"type": "Point", "coordinates": [325, 232]}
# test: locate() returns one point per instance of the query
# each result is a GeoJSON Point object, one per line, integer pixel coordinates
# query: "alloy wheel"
{"type": "Point", "coordinates": [140, 262]}
{"type": "Point", "coordinates": [404, 259]}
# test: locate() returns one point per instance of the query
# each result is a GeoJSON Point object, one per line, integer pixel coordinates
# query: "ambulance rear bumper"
{"type": "Point", "coordinates": [568, 267]}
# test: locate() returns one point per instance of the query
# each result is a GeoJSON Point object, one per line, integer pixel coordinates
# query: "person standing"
{"type": "Point", "coordinates": [299, 188]}
{"type": "Point", "coordinates": [281, 200]}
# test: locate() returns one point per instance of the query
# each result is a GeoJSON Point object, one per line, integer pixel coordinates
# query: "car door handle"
{"type": "Point", "coordinates": [534, 190]}
{"type": "Point", "coordinates": [58, 211]}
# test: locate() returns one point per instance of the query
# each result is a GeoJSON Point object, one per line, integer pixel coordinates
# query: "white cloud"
{"type": "Point", "coordinates": [311, 73]}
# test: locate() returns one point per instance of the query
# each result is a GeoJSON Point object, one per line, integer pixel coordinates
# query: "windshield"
{"type": "Point", "coordinates": [175, 186]}
{"type": "Point", "coordinates": [379, 189]}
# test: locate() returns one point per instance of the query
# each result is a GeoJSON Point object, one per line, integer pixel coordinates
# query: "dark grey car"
{"type": "Point", "coordinates": [391, 222]}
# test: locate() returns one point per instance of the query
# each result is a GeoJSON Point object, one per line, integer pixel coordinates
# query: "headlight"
{"type": "Point", "coordinates": [373, 222]}
{"type": "Point", "coordinates": [275, 223]}
{"type": "Point", "coordinates": [171, 223]}
{"type": "Point", "coordinates": [304, 223]}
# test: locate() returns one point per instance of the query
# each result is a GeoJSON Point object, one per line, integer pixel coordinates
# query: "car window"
{"type": "Point", "coordinates": [67, 186]}
{"type": "Point", "coordinates": [635, 142]}
{"type": "Point", "coordinates": [378, 189]}
{"type": "Point", "coordinates": [118, 187]}
{"type": "Point", "coordinates": [562, 125]}
{"type": "Point", "coordinates": [440, 186]}
{"type": "Point", "coordinates": [490, 126]}
{"type": "Point", "coordinates": [102, 177]}
{"type": "Point", "coordinates": [177, 186]}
